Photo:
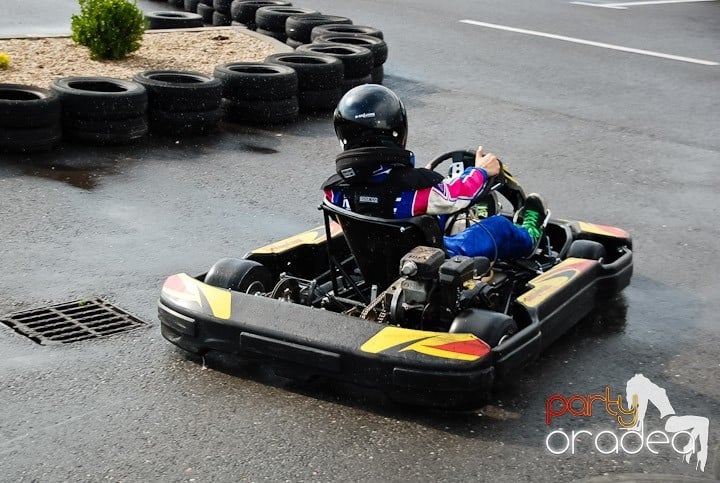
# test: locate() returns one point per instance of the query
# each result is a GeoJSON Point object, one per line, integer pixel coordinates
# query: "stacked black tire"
{"type": "Point", "coordinates": [357, 62]}
{"type": "Point", "coordinates": [271, 20]}
{"type": "Point", "coordinates": [331, 35]}
{"type": "Point", "coordinates": [173, 20]}
{"type": "Point", "coordinates": [206, 10]}
{"type": "Point", "coordinates": [221, 15]}
{"type": "Point", "coordinates": [29, 119]}
{"type": "Point", "coordinates": [299, 27]}
{"type": "Point", "coordinates": [242, 12]}
{"type": "Point", "coordinates": [320, 78]}
{"type": "Point", "coordinates": [257, 93]}
{"type": "Point", "coordinates": [181, 102]}
{"type": "Point", "coordinates": [102, 110]}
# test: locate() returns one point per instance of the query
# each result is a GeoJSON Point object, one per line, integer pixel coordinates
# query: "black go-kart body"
{"type": "Point", "coordinates": [376, 303]}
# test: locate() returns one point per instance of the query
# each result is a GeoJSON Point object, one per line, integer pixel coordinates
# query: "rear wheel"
{"type": "Point", "coordinates": [491, 327]}
{"type": "Point", "coordinates": [239, 275]}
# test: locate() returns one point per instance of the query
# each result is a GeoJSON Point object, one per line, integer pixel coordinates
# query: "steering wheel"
{"type": "Point", "coordinates": [504, 182]}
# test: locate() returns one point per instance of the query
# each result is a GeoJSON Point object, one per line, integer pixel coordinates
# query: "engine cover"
{"type": "Point", "coordinates": [422, 262]}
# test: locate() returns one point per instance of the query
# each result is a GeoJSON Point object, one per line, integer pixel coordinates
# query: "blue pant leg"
{"type": "Point", "coordinates": [495, 237]}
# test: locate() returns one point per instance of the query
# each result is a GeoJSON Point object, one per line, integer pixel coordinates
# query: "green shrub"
{"type": "Point", "coordinates": [4, 60]}
{"type": "Point", "coordinates": [111, 29]}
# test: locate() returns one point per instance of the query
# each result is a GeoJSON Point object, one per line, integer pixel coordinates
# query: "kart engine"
{"type": "Point", "coordinates": [430, 291]}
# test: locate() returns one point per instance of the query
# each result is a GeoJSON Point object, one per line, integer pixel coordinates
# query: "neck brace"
{"type": "Point", "coordinates": [357, 165]}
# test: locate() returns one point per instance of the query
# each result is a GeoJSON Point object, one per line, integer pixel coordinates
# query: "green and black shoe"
{"type": "Point", "coordinates": [535, 216]}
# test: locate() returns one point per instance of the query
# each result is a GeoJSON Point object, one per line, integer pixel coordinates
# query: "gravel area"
{"type": "Point", "coordinates": [37, 61]}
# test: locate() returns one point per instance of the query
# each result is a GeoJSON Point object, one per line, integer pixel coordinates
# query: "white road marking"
{"type": "Point", "coordinates": [601, 5]}
{"type": "Point", "coordinates": [625, 5]}
{"type": "Point", "coordinates": [591, 43]}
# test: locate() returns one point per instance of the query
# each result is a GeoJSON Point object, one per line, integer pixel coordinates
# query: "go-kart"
{"type": "Point", "coordinates": [378, 304]}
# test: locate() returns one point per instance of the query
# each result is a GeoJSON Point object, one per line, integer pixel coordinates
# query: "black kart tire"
{"type": "Point", "coordinates": [357, 61]}
{"type": "Point", "coordinates": [249, 81]}
{"type": "Point", "coordinates": [222, 6]}
{"type": "Point", "coordinates": [191, 5]}
{"type": "Point", "coordinates": [588, 249]}
{"type": "Point", "coordinates": [105, 131]}
{"type": "Point", "coordinates": [25, 106]}
{"type": "Point", "coordinates": [345, 29]}
{"type": "Point", "coordinates": [184, 123]}
{"type": "Point", "coordinates": [319, 101]}
{"type": "Point", "coordinates": [315, 72]}
{"type": "Point", "coordinates": [273, 18]}
{"type": "Point", "coordinates": [377, 46]}
{"type": "Point", "coordinates": [280, 36]}
{"type": "Point", "coordinates": [239, 275]}
{"type": "Point", "coordinates": [244, 11]}
{"type": "Point", "coordinates": [299, 27]}
{"type": "Point", "coordinates": [220, 19]}
{"type": "Point", "coordinates": [30, 140]}
{"type": "Point", "coordinates": [174, 90]}
{"type": "Point", "coordinates": [261, 111]}
{"type": "Point", "coordinates": [491, 327]}
{"type": "Point", "coordinates": [206, 12]}
{"type": "Point", "coordinates": [173, 20]}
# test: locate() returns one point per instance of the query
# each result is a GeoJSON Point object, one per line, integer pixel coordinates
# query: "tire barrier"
{"type": "Point", "coordinates": [29, 118]}
{"type": "Point", "coordinates": [222, 6]}
{"type": "Point", "coordinates": [258, 93]}
{"type": "Point", "coordinates": [357, 62]}
{"type": "Point", "coordinates": [220, 19]}
{"type": "Point", "coordinates": [243, 11]}
{"type": "Point", "coordinates": [191, 5]}
{"type": "Point", "coordinates": [173, 20]}
{"type": "Point", "coordinates": [181, 102]}
{"type": "Point", "coordinates": [377, 46]}
{"type": "Point", "coordinates": [345, 29]}
{"type": "Point", "coordinates": [102, 110]}
{"type": "Point", "coordinates": [273, 18]}
{"type": "Point", "coordinates": [299, 27]}
{"type": "Point", "coordinates": [206, 12]}
{"type": "Point", "coordinates": [320, 78]}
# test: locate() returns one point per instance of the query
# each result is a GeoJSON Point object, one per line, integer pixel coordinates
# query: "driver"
{"type": "Point", "coordinates": [376, 177]}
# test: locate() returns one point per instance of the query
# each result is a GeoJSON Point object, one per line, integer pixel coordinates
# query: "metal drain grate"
{"type": "Point", "coordinates": [72, 322]}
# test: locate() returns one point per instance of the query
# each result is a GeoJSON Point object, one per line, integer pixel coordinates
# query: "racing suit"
{"type": "Point", "coordinates": [402, 192]}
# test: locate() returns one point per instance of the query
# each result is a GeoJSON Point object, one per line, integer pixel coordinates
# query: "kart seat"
{"type": "Point", "coordinates": [378, 244]}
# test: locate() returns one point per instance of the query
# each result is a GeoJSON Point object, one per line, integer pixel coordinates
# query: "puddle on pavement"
{"type": "Point", "coordinates": [83, 178]}
{"type": "Point", "coordinates": [253, 148]}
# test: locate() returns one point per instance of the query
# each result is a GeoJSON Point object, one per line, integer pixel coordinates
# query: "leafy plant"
{"type": "Point", "coordinates": [4, 60]}
{"type": "Point", "coordinates": [111, 29]}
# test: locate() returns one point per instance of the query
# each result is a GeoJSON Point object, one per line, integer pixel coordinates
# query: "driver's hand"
{"type": "Point", "coordinates": [489, 162]}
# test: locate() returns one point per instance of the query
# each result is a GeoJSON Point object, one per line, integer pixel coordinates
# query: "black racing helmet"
{"type": "Point", "coordinates": [370, 115]}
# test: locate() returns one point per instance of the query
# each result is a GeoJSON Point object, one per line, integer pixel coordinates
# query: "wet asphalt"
{"type": "Point", "coordinates": [607, 136]}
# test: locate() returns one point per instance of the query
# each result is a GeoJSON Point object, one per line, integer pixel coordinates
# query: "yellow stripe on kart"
{"type": "Point", "coordinates": [553, 280]}
{"type": "Point", "coordinates": [310, 237]}
{"type": "Point", "coordinates": [603, 230]}
{"type": "Point", "coordinates": [464, 347]}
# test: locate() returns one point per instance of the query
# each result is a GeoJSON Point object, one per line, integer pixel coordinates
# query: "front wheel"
{"type": "Point", "coordinates": [239, 275]}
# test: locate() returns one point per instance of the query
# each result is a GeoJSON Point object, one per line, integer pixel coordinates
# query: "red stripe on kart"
{"type": "Point", "coordinates": [474, 347]}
